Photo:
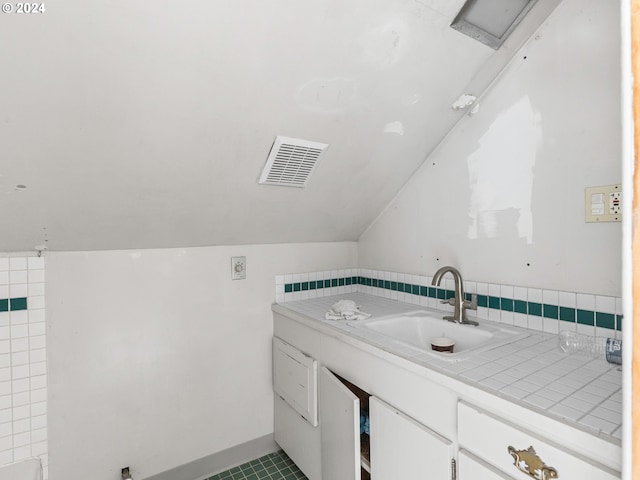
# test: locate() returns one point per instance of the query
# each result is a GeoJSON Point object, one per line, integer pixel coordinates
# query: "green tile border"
{"type": "Point", "coordinates": [555, 312]}
{"type": "Point", "coordinates": [550, 311]}
{"type": "Point", "coordinates": [568, 314]}
{"type": "Point", "coordinates": [586, 317]}
{"type": "Point", "coordinates": [13, 304]}
{"type": "Point", "coordinates": [506, 304]}
{"type": "Point", "coordinates": [605, 320]}
{"type": "Point", "coordinates": [534, 308]}
{"type": "Point", "coordinates": [520, 306]}
{"type": "Point", "coordinates": [420, 290]}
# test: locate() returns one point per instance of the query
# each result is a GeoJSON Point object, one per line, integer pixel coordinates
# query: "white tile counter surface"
{"type": "Point", "coordinates": [534, 372]}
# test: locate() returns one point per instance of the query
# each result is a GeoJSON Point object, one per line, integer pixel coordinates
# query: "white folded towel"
{"type": "Point", "coordinates": [345, 310]}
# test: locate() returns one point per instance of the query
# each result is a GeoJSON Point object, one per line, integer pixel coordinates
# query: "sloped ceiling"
{"type": "Point", "coordinates": [139, 124]}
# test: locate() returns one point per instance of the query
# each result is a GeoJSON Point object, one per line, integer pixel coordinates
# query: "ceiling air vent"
{"type": "Point", "coordinates": [291, 162]}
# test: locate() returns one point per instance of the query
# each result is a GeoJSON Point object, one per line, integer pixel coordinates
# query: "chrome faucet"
{"type": "Point", "coordinates": [459, 303]}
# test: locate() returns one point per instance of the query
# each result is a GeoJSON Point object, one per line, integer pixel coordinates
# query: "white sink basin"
{"type": "Point", "coordinates": [419, 327]}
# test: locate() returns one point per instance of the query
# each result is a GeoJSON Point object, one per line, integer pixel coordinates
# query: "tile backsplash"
{"type": "Point", "coordinates": [23, 369]}
{"type": "Point", "coordinates": [533, 308]}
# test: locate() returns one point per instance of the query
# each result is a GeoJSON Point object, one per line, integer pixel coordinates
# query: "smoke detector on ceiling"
{"type": "Point", "coordinates": [291, 162]}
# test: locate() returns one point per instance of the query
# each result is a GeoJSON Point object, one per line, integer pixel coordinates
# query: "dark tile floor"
{"type": "Point", "coordinates": [274, 466]}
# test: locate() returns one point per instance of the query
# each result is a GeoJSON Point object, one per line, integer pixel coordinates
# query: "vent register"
{"type": "Point", "coordinates": [291, 162]}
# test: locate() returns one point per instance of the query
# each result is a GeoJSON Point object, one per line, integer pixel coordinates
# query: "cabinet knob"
{"type": "Point", "coordinates": [528, 461]}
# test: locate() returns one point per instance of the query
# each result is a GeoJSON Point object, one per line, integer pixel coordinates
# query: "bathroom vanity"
{"type": "Point", "coordinates": [429, 416]}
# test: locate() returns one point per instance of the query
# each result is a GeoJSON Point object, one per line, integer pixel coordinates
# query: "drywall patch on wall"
{"type": "Point", "coordinates": [412, 99]}
{"type": "Point", "coordinates": [429, 221]}
{"type": "Point", "coordinates": [384, 46]}
{"type": "Point", "coordinates": [501, 185]}
{"type": "Point", "coordinates": [394, 127]}
{"type": "Point", "coordinates": [327, 95]}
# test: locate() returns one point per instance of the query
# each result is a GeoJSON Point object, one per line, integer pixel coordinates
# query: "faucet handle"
{"type": "Point", "coordinates": [449, 301]}
{"type": "Point", "coordinates": [471, 304]}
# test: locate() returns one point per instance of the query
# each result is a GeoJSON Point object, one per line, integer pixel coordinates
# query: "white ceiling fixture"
{"type": "Point", "coordinates": [291, 162]}
{"type": "Point", "coordinates": [491, 21]}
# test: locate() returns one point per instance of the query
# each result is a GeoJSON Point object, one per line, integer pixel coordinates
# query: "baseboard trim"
{"type": "Point", "coordinates": [219, 462]}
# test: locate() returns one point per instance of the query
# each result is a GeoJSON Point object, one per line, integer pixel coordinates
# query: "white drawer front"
{"type": "Point", "coordinates": [295, 379]}
{"type": "Point", "coordinates": [489, 438]}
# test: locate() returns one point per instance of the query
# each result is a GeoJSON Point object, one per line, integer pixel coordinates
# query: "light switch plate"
{"type": "Point", "coordinates": [238, 268]}
{"type": "Point", "coordinates": [603, 204]}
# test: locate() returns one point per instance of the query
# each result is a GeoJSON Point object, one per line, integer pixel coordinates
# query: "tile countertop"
{"type": "Point", "coordinates": [534, 372]}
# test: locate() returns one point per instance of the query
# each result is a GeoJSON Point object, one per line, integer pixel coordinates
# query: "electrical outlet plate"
{"type": "Point", "coordinates": [238, 268]}
{"type": "Point", "coordinates": [603, 204]}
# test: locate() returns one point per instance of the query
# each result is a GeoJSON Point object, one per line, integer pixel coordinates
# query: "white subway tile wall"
{"type": "Point", "coordinates": [538, 309]}
{"type": "Point", "coordinates": [23, 368]}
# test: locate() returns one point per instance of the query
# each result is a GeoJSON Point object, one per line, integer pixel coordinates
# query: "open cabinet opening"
{"type": "Point", "coordinates": [365, 453]}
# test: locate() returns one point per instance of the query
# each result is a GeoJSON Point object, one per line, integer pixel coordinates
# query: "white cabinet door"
{"type": "Point", "coordinates": [339, 414]}
{"type": "Point", "coordinates": [472, 468]}
{"type": "Point", "coordinates": [295, 379]}
{"type": "Point", "coordinates": [402, 448]}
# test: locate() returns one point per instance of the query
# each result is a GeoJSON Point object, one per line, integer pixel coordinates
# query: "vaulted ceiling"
{"type": "Point", "coordinates": [139, 124]}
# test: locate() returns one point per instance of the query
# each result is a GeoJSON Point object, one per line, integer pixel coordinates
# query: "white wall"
{"type": "Point", "coordinates": [157, 358]}
{"type": "Point", "coordinates": [502, 198]}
